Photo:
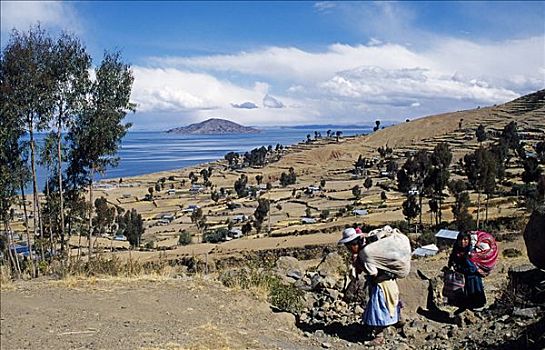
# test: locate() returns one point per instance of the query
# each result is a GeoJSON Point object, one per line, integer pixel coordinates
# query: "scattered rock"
{"type": "Point", "coordinates": [526, 313]}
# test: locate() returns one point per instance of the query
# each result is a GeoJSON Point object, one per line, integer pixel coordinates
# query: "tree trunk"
{"type": "Point", "coordinates": [91, 212]}
{"type": "Point", "coordinates": [36, 204]}
{"type": "Point", "coordinates": [30, 255]}
{"type": "Point", "coordinates": [440, 212]}
{"type": "Point", "coordinates": [61, 194]}
{"type": "Point", "coordinates": [49, 217]}
{"type": "Point", "coordinates": [486, 210]}
{"type": "Point", "coordinates": [11, 254]}
{"type": "Point", "coordinates": [420, 204]}
{"type": "Point", "coordinates": [478, 208]}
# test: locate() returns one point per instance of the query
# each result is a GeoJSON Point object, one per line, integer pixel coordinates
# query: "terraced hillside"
{"type": "Point", "coordinates": [323, 160]}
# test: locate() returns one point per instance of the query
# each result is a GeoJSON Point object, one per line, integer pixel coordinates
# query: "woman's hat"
{"type": "Point", "coordinates": [349, 234]}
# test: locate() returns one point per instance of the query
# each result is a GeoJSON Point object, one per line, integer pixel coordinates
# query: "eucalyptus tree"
{"type": "Point", "coordinates": [480, 168]}
{"type": "Point", "coordinates": [97, 132]}
{"type": "Point", "coordinates": [411, 209]}
{"type": "Point", "coordinates": [47, 161]}
{"type": "Point", "coordinates": [11, 165]}
{"type": "Point", "coordinates": [71, 65]}
{"type": "Point", "coordinates": [29, 83]}
{"type": "Point", "coordinates": [439, 174]}
{"type": "Point", "coordinates": [414, 173]}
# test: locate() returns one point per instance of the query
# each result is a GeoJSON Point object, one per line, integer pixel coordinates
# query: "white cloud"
{"type": "Point", "coordinates": [22, 14]}
{"type": "Point", "coordinates": [346, 82]}
{"type": "Point", "coordinates": [271, 102]}
{"type": "Point", "coordinates": [169, 96]}
{"type": "Point", "coordinates": [322, 6]}
{"type": "Point", "coordinates": [245, 105]}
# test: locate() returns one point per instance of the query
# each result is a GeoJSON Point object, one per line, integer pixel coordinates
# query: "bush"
{"type": "Point", "coordinates": [285, 296]}
{"type": "Point", "coordinates": [215, 236]}
{"type": "Point", "coordinates": [324, 214]}
{"type": "Point", "coordinates": [511, 253]}
{"type": "Point", "coordinates": [184, 238]}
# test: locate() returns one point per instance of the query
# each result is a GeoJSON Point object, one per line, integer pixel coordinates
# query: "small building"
{"type": "Point", "coordinates": [530, 154]}
{"type": "Point", "coordinates": [314, 188]}
{"type": "Point", "coordinates": [413, 191]}
{"type": "Point", "coordinates": [384, 173]}
{"type": "Point", "coordinates": [196, 189]}
{"type": "Point", "coordinates": [163, 222]}
{"type": "Point", "coordinates": [446, 236]}
{"type": "Point", "coordinates": [169, 217]}
{"type": "Point", "coordinates": [427, 250]}
{"type": "Point", "coordinates": [235, 233]}
{"type": "Point", "coordinates": [308, 220]}
{"type": "Point", "coordinates": [190, 208]}
{"type": "Point", "coordinates": [171, 192]}
{"type": "Point", "coordinates": [20, 249]}
{"type": "Point", "coordinates": [120, 238]}
{"type": "Point", "coordinates": [239, 218]}
{"type": "Point", "coordinates": [360, 212]}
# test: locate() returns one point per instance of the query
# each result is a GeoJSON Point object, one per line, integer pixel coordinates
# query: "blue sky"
{"type": "Point", "coordinates": [281, 63]}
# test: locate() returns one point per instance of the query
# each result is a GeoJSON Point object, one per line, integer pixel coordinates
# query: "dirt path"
{"type": "Point", "coordinates": [186, 313]}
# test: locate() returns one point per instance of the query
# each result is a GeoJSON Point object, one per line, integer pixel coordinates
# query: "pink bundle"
{"type": "Point", "coordinates": [484, 252]}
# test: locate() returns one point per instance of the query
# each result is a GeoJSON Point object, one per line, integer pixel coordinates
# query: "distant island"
{"type": "Point", "coordinates": [214, 126]}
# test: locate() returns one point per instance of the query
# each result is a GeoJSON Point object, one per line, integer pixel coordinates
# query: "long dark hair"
{"type": "Point", "coordinates": [458, 245]}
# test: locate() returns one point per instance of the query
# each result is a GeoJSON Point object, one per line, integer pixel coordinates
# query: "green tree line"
{"type": "Point", "coordinates": [50, 85]}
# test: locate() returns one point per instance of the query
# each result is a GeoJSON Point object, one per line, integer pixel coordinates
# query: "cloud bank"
{"type": "Point", "coordinates": [52, 14]}
{"type": "Point", "coordinates": [346, 82]}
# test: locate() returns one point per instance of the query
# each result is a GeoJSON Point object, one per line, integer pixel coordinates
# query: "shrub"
{"type": "Point", "coordinates": [324, 214]}
{"type": "Point", "coordinates": [184, 238]}
{"type": "Point", "coordinates": [511, 253]}
{"type": "Point", "coordinates": [285, 296]}
{"type": "Point", "coordinates": [215, 236]}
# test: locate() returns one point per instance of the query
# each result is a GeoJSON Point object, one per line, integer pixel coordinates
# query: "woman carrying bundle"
{"type": "Point", "coordinates": [383, 308]}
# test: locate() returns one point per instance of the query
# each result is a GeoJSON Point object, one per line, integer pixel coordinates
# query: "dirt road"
{"type": "Point", "coordinates": [173, 314]}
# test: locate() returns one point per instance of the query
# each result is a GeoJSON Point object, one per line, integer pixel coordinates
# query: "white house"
{"type": "Point", "coordinates": [308, 220]}
{"type": "Point", "coordinates": [169, 217]}
{"type": "Point", "coordinates": [427, 250]}
{"type": "Point", "coordinates": [190, 208]}
{"type": "Point", "coordinates": [235, 233]}
{"type": "Point", "coordinates": [448, 236]}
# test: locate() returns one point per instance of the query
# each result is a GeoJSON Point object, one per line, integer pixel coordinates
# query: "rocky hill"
{"type": "Point", "coordinates": [214, 126]}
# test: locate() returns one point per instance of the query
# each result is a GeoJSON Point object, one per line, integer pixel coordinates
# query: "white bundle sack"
{"type": "Point", "coordinates": [391, 252]}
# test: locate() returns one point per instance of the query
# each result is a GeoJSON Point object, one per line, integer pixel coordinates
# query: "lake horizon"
{"type": "Point", "coordinates": [148, 152]}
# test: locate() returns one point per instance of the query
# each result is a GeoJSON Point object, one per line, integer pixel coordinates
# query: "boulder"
{"type": "Point", "coordinates": [534, 237]}
{"type": "Point", "coordinates": [332, 265]}
{"type": "Point", "coordinates": [287, 264]}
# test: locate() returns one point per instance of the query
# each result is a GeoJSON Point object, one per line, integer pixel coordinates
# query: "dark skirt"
{"type": "Point", "coordinates": [473, 296]}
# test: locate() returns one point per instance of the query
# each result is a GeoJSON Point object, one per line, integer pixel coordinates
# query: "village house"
{"type": "Point", "coordinates": [446, 237]}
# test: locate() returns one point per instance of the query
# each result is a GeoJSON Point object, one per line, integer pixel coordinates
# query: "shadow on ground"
{"type": "Point", "coordinates": [353, 333]}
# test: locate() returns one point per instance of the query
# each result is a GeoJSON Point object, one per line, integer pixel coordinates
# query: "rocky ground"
{"type": "Point", "coordinates": [187, 311]}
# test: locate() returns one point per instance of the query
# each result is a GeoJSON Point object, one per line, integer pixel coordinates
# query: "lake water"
{"type": "Point", "coordinates": [149, 152]}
